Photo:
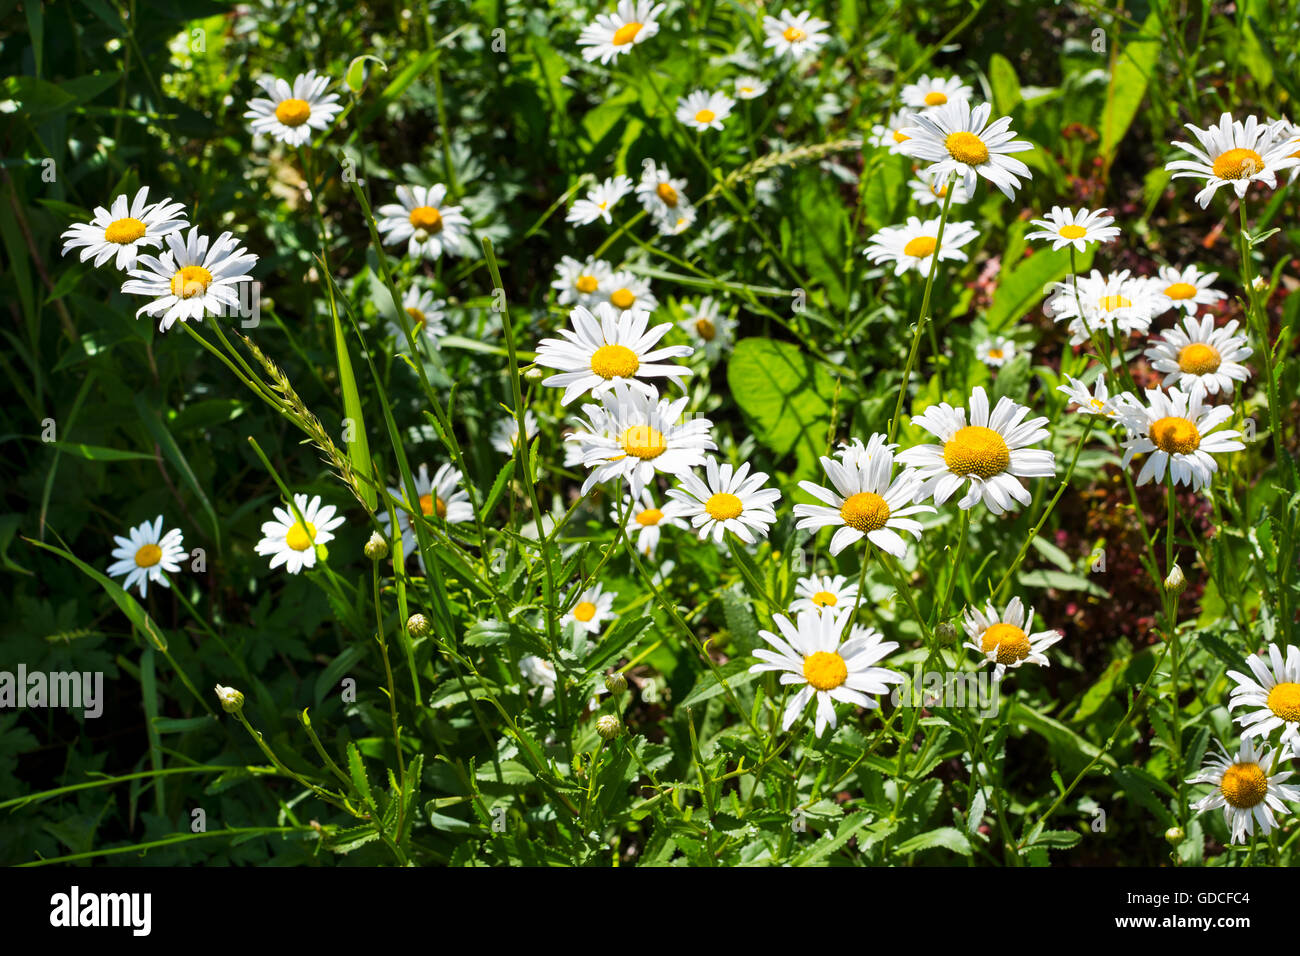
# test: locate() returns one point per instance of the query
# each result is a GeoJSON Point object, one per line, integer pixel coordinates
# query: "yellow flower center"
{"type": "Point", "coordinates": [666, 192]}
{"type": "Point", "coordinates": [938, 192]}
{"type": "Point", "coordinates": [996, 353]}
{"type": "Point", "coordinates": [649, 517]}
{"type": "Point", "coordinates": [1284, 701]}
{"type": "Point", "coordinates": [825, 670]}
{"type": "Point", "coordinates": [723, 506]}
{"type": "Point", "coordinates": [1109, 303]}
{"type": "Point", "coordinates": [1073, 232]}
{"type": "Point", "coordinates": [966, 148]}
{"type": "Point", "coordinates": [1238, 164]}
{"type": "Point", "coordinates": [793, 34]}
{"type": "Point", "coordinates": [919, 247]}
{"type": "Point", "coordinates": [426, 218]}
{"type": "Point", "coordinates": [622, 298]}
{"type": "Point", "coordinates": [1010, 642]}
{"type": "Point", "coordinates": [1199, 359]}
{"type": "Point", "coordinates": [824, 599]}
{"type": "Point", "coordinates": [1177, 436]}
{"type": "Point", "coordinates": [191, 281]}
{"type": "Point", "coordinates": [976, 450]}
{"type": "Point", "coordinates": [644, 442]}
{"type": "Point", "coordinates": [587, 284]}
{"type": "Point", "coordinates": [706, 329]}
{"type": "Point", "coordinates": [417, 317]}
{"type": "Point", "coordinates": [300, 538]}
{"type": "Point", "coordinates": [293, 112]}
{"type": "Point", "coordinates": [430, 503]}
{"type": "Point", "coordinates": [865, 511]}
{"type": "Point", "coordinates": [1181, 290]}
{"type": "Point", "coordinates": [705, 116]}
{"type": "Point", "coordinates": [614, 361]}
{"type": "Point", "coordinates": [1244, 785]}
{"type": "Point", "coordinates": [585, 611]}
{"type": "Point", "coordinates": [123, 231]}
{"type": "Point", "coordinates": [1097, 403]}
{"type": "Point", "coordinates": [148, 556]}
{"type": "Point", "coordinates": [935, 98]}
{"type": "Point", "coordinates": [900, 136]}
{"type": "Point", "coordinates": [626, 34]}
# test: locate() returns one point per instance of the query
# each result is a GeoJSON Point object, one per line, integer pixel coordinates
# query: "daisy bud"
{"type": "Point", "coordinates": [376, 548]}
{"type": "Point", "coordinates": [1175, 583]}
{"type": "Point", "coordinates": [417, 625]}
{"type": "Point", "coordinates": [609, 727]}
{"type": "Point", "coordinates": [616, 683]}
{"type": "Point", "coordinates": [945, 633]}
{"type": "Point", "coordinates": [533, 375]}
{"type": "Point", "coordinates": [1174, 835]}
{"type": "Point", "coordinates": [232, 701]}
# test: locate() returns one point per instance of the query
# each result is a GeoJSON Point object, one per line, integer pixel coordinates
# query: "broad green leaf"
{"type": "Point", "coordinates": [786, 397]}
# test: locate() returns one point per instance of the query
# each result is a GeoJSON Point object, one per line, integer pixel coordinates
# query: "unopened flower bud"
{"type": "Point", "coordinates": [417, 625]}
{"type": "Point", "coordinates": [1174, 835]}
{"type": "Point", "coordinates": [616, 683]}
{"type": "Point", "coordinates": [1175, 583]}
{"type": "Point", "coordinates": [232, 701]}
{"type": "Point", "coordinates": [945, 633]}
{"type": "Point", "coordinates": [533, 375]}
{"type": "Point", "coordinates": [609, 727]}
{"type": "Point", "coordinates": [376, 548]}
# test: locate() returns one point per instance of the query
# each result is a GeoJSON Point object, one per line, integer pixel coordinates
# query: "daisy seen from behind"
{"type": "Point", "coordinates": [421, 219]}
{"type": "Point", "coordinates": [122, 230]}
{"type": "Point", "coordinates": [291, 113]}
{"type": "Point", "coordinates": [728, 499]}
{"type": "Point", "coordinates": [292, 543]}
{"type": "Point", "coordinates": [1004, 640]}
{"type": "Point", "coordinates": [145, 553]}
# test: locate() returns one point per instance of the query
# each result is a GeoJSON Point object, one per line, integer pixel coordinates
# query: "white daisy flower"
{"type": "Point", "coordinates": [865, 501]}
{"type": "Point", "coordinates": [1004, 639]}
{"type": "Point", "coordinates": [749, 87]}
{"type": "Point", "coordinates": [955, 138]}
{"type": "Point", "coordinates": [589, 613]}
{"type": "Point", "coordinates": [614, 34]}
{"type": "Point", "coordinates": [990, 454]}
{"type": "Point", "coordinates": [145, 553]}
{"type": "Point", "coordinates": [580, 283]}
{"type": "Point", "coordinates": [1108, 301]}
{"type": "Point", "coordinates": [1174, 431]}
{"type": "Point", "coordinates": [606, 348]}
{"type": "Point", "coordinates": [599, 201]}
{"type": "Point", "coordinates": [677, 224]}
{"type": "Point", "coordinates": [646, 520]}
{"type": "Point", "coordinates": [889, 135]}
{"type": "Point", "coordinates": [505, 433]}
{"type": "Point", "coordinates": [912, 246]}
{"type": "Point", "coordinates": [809, 652]}
{"type": "Point", "coordinates": [193, 278]}
{"type": "Point", "coordinates": [660, 195]}
{"type": "Point", "coordinates": [419, 218]}
{"type": "Point", "coordinates": [729, 499]}
{"type": "Point", "coordinates": [539, 673]}
{"type": "Point", "coordinates": [440, 497]}
{"type": "Point", "coordinates": [126, 227]}
{"type": "Point", "coordinates": [927, 192]}
{"type": "Point", "coordinates": [930, 92]}
{"type": "Point", "coordinates": [1245, 789]}
{"type": "Point", "coordinates": [1098, 401]}
{"type": "Point", "coordinates": [632, 435]}
{"type": "Point", "coordinates": [704, 110]}
{"type": "Point", "coordinates": [1199, 356]}
{"type": "Point", "coordinates": [794, 34]}
{"type": "Point", "coordinates": [707, 327]}
{"type": "Point", "coordinates": [1272, 698]}
{"type": "Point", "coordinates": [996, 352]}
{"type": "Point", "coordinates": [628, 292]}
{"type": "Point", "coordinates": [854, 454]}
{"type": "Point", "coordinates": [288, 542]}
{"type": "Point", "coordinates": [820, 591]}
{"type": "Point", "coordinates": [1066, 227]}
{"type": "Point", "coordinates": [292, 113]}
{"type": "Point", "coordinates": [1234, 154]}
{"type": "Point", "coordinates": [1187, 289]}
{"type": "Point", "coordinates": [424, 316]}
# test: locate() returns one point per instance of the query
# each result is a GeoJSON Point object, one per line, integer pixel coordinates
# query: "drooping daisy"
{"type": "Point", "coordinates": [996, 352]}
{"type": "Point", "coordinates": [930, 92]}
{"type": "Point", "coordinates": [614, 34]}
{"type": "Point", "coordinates": [1187, 289]}
{"type": "Point", "coordinates": [1004, 640]}
{"type": "Point", "coordinates": [440, 497]}
{"type": "Point", "coordinates": [729, 499]}
{"type": "Point", "coordinates": [580, 283]}
{"type": "Point", "coordinates": [913, 246]}
{"type": "Point", "coordinates": [809, 652]}
{"type": "Point", "coordinates": [866, 501]}
{"type": "Point", "coordinates": [817, 592]}
{"type": "Point", "coordinates": [505, 433]}
{"type": "Point", "coordinates": [1272, 697]}
{"type": "Point", "coordinates": [424, 317]}
{"type": "Point", "coordinates": [660, 195]}
{"type": "Point", "coordinates": [704, 110]}
{"type": "Point", "coordinates": [539, 673]}
{"type": "Point", "coordinates": [122, 230]}
{"type": "Point", "coordinates": [599, 201]}
{"type": "Point", "coordinates": [1199, 356]}
{"type": "Point", "coordinates": [889, 135]}
{"type": "Point", "coordinates": [990, 455]}
{"type": "Point", "coordinates": [628, 292]}
{"type": "Point", "coordinates": [646, 520]}
{"type": "Point", "coordinates": [794, 34]}
{"type": "Point", "coordinates": [145, 553]}
{"type": "Point", "coordinates": [632, 435]}
{"type": "Point", "coordinates": [1117, 300]}
{"type": "Point", "coordinates": [1095, 402]}
{"type": "Point", "coordinates": [193, 278]}
{"type": "Point", "coordinates": [749, 87]}
{"type": "Point", "coordinates": [1067, 227]}
{"type": "Point", "coordinates": [605, 349]}
{"type": "Point", "coordinates": [420, 219]}
{"type": "Point", "coordinates": [287, 541]}
{"type": "Point", "coordinates": [1245, 788]}
{"type": "Point", "coordinates": [955, 138]}
{"type": "Point", "coordinates": [927, 191]}
{"type": "Point", "coordinates": [1173, 430]}
{"type": "Point", "coordinates": [589, 612]}
{"type": "Point", "coordinates": [1234, 154]}
{"type": "Point", "coordinates": [292, 113]}
{"type": "Point", "coordinates": [707, 327]}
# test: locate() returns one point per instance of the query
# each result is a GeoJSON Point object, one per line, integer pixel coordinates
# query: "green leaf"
{"type": "Point", "coordinates": [153, 422]}
{"type": "Point", "coordinates": [98, 453]}
{"type": "Point", "coordinates": [1005, 85]}
{"type": "Point", "coordinates": [948, 838]}
{"type": "Point", "coordinates": [785, 395]}
{"type": "Point", "coordinates": [355, 77]}
{"type": "Point", "coordinates": [1134, 65]}
{"type": "Point", "coordinates": [1026, 285]}
{"type": "Point", "coordinates": [357, 770]}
